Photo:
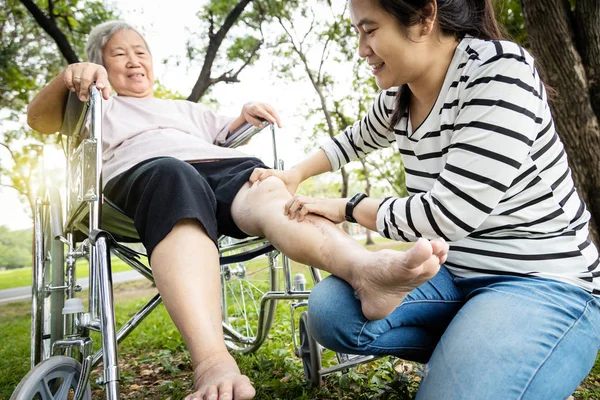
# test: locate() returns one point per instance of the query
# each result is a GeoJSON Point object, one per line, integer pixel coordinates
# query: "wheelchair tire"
{"type": "Point", "coordinates": [53, 378]}
{"type": "Point", "coordinates": [310, 353]}
{"type": "Point", "coordinates": [50, 250]}
{"type": "Point", "coordinates": [242, 291]}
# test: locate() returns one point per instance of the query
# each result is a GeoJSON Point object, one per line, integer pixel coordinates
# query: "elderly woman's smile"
{"type": "Point", "coordinates": [129, 64]}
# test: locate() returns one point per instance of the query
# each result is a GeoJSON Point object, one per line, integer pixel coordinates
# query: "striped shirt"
{"type": "Point", "coordinates": [486, 171]}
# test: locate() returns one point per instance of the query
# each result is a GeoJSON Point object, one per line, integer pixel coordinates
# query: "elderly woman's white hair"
{"type": "Point", "coordinates": [101, 34]}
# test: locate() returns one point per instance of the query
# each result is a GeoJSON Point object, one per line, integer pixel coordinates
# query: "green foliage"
{"type": "Point", "coordinates": [15, 249]}
{"type": "Point", "coordinates": [29, 56]}
{"type": "Point", "coordinates": [162, 92]}
{"type": "Point", "coordinates": [243, 48]}
{"type": "Point", "coordinates": [510, 15]}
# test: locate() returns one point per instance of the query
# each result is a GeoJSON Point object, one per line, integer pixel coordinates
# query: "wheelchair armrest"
{"type": "Point", "coordinates": [242, 134]}
{"type": "Point", "coordinates": [74, 116]}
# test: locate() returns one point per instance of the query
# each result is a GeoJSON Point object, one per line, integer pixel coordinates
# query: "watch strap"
{"type": "Point", "coordinates": [351, 204]}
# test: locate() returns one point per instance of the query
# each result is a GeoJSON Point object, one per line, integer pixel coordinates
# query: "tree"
{"type": "Point", "coordinates": [568, 51]}
{"type": "Point", "coordinates": [298, 47]}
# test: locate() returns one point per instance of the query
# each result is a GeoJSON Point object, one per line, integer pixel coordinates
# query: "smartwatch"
{"type": "Point", "coordinates": [353, 202]}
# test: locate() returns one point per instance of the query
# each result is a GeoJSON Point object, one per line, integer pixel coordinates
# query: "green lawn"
{"type": "Point", "coordinates": [155, 364]}
{"type": "Point", "coordinates": [22, 276]}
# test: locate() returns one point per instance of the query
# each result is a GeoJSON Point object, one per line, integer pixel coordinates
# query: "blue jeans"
{"type": "Point", "coordinates": [499, 337]}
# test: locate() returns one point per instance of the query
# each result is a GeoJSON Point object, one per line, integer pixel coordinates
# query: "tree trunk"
{"type": "Point", "coordinates": [561, 50]}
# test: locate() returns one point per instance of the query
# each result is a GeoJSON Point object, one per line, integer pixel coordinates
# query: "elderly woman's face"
{"type": "Point", "coordinates": [129, 65]}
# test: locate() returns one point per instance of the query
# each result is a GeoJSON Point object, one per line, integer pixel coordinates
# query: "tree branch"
{"type": "Point", "coordinates": [215, 40]}
{"type": "Point", "coordinates": [312, 25]}
{"type": "Point", "coordinates": [383, 175]}
{"type": "Point", "coordinates": [12, 155]}
{"type": "Point", "coordinates": [248, 61]}
{"type": "Point", "coordinates": [49, 25]}
{"type": "Point", "coordinates": [224, 77]}
{"type": "Point", "coordinates": [51, 9]}
{"type": "Point", "coordinates": [13, 187]}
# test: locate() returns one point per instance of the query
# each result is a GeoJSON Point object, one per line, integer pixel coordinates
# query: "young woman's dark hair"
{"type": "Point", "coordinates": [455, 17]}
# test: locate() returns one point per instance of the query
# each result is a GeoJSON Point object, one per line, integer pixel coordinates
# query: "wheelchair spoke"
{"type": "Point", "coordinates": [245, 310]}
{"type": "Point", "coordinates": [244, 303]}
{"type": "Point", "coordinates": [45, 392]}
{"type": "Point", "coordinates": [256, 306]}
{"type": "Point", "coordinates": [244, 286]}
{"type": "Point", "coordinates": [65, 388]}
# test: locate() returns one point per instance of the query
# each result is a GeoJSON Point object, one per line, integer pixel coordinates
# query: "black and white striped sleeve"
{"type": "Point", "coordinates": [365, 136]}
{"type": "Point", "coordinates": [497, 121]}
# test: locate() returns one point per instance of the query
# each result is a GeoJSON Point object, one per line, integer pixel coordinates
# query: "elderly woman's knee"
{"type": "Point", "coordinates": [172, 169]}
{"type": "Point", "coordinates": [270, 188]}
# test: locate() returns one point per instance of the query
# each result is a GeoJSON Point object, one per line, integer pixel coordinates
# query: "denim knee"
{"type": "Point", "coordinates": [334, 314]}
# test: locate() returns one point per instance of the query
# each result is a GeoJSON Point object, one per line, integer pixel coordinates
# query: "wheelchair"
{"type": "Point", "coordinates": [93, 228]}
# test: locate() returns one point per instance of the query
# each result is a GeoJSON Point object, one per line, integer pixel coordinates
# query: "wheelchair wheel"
{"type": "Point", "coordinates": [54, 378]}
{"type": "Point", "coordinates": [47, 319]}
{"type": "Point", "coordinates": [243, 286]}
{"type": "Point", "coordinates": [310, 353]}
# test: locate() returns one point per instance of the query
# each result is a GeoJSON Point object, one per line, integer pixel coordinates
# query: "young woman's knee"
{"type": "Point", "coordinates": [332, 310]}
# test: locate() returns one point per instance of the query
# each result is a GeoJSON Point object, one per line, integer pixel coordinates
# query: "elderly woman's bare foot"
{"type": "Point", "coordinates": [219, 378]}
{"type": "Point", "coordinates": [384, 281]}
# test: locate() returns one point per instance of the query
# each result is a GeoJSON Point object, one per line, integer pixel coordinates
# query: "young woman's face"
{"type": "Point", "coordinates": [392, 51]}
{"type": "Point", "coordinates": [129, 64]}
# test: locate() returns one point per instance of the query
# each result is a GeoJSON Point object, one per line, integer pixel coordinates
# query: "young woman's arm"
{"type": "Point", "coordinates": [365, 136]}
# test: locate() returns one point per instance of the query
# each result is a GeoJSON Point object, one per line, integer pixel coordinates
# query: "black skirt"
{"type": "Point", "coordinates": [158, 192]}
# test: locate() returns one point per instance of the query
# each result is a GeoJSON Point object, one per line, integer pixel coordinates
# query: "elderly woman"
{"type": "Point", "coordinates": [163, 167]}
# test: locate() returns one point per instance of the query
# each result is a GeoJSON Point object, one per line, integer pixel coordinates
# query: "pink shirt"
{"type": "Point", "coordinates": [134, 130]}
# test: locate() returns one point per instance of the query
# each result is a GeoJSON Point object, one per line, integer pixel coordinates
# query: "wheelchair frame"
{"type": "Point", "coordinates": [59, 321]}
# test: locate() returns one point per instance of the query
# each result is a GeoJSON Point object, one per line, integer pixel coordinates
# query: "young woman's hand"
{"type": "Point", "coordinates": [78, 78]}
{"type": "Point", "coordinates": [300, 206]}
{"type": "Point", "coordinates": [257, 113]}
{"type": "Point", "coordinates": [290, 177]}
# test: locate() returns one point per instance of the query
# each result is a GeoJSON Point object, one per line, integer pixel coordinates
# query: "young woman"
{"type": "Point", "coordinates": [514, 312]}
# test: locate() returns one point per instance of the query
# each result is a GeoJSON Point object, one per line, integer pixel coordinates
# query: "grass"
{"type": "Point", "coordinates": [13, 278]}
{"type": "Point", "coordinates": [155, 364]}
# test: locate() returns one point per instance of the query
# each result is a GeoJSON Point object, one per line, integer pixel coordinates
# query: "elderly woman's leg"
{"type": "Point", "coordinates": [174, 210]}
{"type": "Point", "coordinates": [382, 279]}
{"type": "Point", "coordinates": [186, 271]}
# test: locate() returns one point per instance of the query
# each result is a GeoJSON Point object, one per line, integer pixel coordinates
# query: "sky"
{"type": "Point", "coordinates": [166, 30]}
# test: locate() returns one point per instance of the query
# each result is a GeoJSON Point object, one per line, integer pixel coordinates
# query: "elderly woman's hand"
{"type": "Point", "coordinates": [290, 177]}
{"type": "Point", "coordinates": [78, 78]}
{"type": "Point", "coordinates": [300, 206]}
{"type": "Point", "coordinates": [256, 113]}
